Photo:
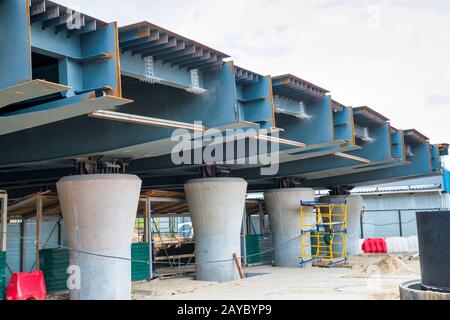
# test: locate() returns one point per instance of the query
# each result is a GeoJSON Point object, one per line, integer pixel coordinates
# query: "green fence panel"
{"type": "Point", "coordinates": [140, 270]}
{"type": "Point", "coordinates": [54, 264]}
{"type": "Point", "coordinates": [2, 274]}
{"type": "Point", "coordinates": [259, 249]}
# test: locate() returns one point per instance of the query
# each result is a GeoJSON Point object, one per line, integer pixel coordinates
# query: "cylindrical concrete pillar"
{"type": "Point", "coordinates": [99, 213]}
{"type": "Point", "coordinates": [434, 246]}
{"type": "Point", "coordinates": [217, 208]}
{"type": "Point", "coordinates": [283, 206]}
{"type": "Point", "coordinates": [354, 209]}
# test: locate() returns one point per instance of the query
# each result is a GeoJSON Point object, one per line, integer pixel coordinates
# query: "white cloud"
{"type": "Point", "coordinates": [399, 68]}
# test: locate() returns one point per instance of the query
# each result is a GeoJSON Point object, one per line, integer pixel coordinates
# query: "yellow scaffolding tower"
{"type": "Point", "coordinates": [324, 232]}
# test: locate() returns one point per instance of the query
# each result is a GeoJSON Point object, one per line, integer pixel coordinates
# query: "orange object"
{"type": "Point", "coordinates": [27, 286]}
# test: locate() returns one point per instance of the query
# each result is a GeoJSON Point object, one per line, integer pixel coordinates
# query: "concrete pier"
{"type": "Point", "coordinates": [283, 206]}
{"type": "Point", "coordinates": [99, 212]}
{"type": "Point", "coordinates": [434, 246]}
{"type": "Point", "coordinates": [354, 209]}
{"type": "Point", "coordinates": [217, 208]}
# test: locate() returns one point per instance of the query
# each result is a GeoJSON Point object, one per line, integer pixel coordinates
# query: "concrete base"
{"type": "Point", "coordinates": [354, 209]}
{"type": "Point", "coordinates": [283, 206]}
{"type": "Point", "coordinates": [433, 229]}
{"type": "Point", "coordinates": [217, 208]}
{"type": "Point", "coordinates": [99, 214]}
{"type": "Point", "coordinates": [413, 290]}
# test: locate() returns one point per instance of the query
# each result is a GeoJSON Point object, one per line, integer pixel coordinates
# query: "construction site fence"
{"type": "Point", "coordinates": [387, 223]}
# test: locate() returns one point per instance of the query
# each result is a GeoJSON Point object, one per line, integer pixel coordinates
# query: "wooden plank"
{"type": "Point", "coordinates": [238, 266]}
{"type": "Point", "coordinates": [164, 194]}
{"type": "Point", "coordinates": [174, 275]}
{"type": "Point", "coordinates": [175, 257]}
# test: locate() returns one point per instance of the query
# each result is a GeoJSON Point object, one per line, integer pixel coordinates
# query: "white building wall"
{"type": "Point", "coordinates": [383, 212]}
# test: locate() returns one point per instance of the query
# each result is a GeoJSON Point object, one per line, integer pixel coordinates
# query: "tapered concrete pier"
{"type": "Point", "coordinates": [217, 208]}
{"type": "Point", "coordinates": [99, 213]}
{"type": "Point", "coordinates": [283, 206]}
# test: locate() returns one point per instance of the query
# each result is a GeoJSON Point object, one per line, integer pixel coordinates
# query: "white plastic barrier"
{"type": "Point", "coordinates": [360, 251]}
{"type": "Point", "coordinates": [399, 245]}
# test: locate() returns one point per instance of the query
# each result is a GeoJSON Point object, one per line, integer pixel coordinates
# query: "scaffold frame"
{"type": "Point", "coordinates": [323, 233]}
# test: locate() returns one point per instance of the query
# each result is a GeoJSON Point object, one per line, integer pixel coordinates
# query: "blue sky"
{"type": "Point", "coordinates": [391, 55]}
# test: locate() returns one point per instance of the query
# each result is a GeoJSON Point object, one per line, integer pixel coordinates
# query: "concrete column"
{"type": "Point", "coordinates": [217, 207]}
{"type": "Point", "coordinates": [354, 208]}
{"type": "Point", "coordinates": [283, 206]}
{"type": "Point", "coordinates": [99, 213]}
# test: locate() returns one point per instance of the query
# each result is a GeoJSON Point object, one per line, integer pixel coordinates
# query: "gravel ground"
{"type": "Point", "coordinates": [269, 283]}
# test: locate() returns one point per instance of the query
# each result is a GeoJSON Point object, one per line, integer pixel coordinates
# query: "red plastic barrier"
{"type": "Point", "coordinates": [376, 245]}
{"type": "Point", "coordinates": [27, 286]}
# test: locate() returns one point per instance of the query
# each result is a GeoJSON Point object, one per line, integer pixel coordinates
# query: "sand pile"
{"type": "Point", "coordinates": [388, 265]}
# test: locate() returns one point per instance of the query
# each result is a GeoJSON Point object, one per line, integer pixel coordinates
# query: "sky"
{"type": "Point", "coordinates": [390, 55]}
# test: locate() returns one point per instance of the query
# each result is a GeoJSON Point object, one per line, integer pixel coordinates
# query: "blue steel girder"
{"type": "Point", "coordinates": [125, 42]}
{"type": "Point", "coordinates": [163, 42]}
{"type": "Point", "coordinates": [56, 111]}
{"type": "Point", "coordinates": [187, 51]}
{"type": "Point", "coordinates": [377, 146]}
{"type": "Point", "coordinates": [245, 77]}
{"type": "Point", "coordinates": [61, 18]}
{"type": "Point", "coordinates": [188, 57]}
{"type": "Point", "coordinates": [398, 157]}
{"type": "Point", "coordinates": [207, 58]}
{"type": "Point", "coordinates": [149, 53]}
{"type": "Point", "coordinates": [126, 140]}
{"type": "Point", "coordinates": [137, 38]}
{"type": "Point", "coordinates": [87, 62]}
{"type": "Point", "coordinates": [334, 163]}
{"type": "Point", "coordinates": [292, 87]}
{"type": "Point", "coordinates": [311, 116]}
{"type": "Point", "coordinates": [254, 98]}
{"type": "Point", "coordinates": [329, 130]}
{"type": "Point", "coordinates": [42, 65]}
{"type": "Point", "coordinates": [213, 65]}
{"type": "Point", "coordinates": [177, 46]}
{"type": "Point", "coordinates": [257, 107]}
{"type": "Point", "coordinates": [29, 90]}
{"type": "Point", "coordinates": [443, 149]}
{"type": "Point", "coordinates": [66, 65]}
{"type": "Point", "coordinates": [155, 165]}
{"type": "Point", "coordinates": [421, 164]}
{"type": "Point", "coordinates": [385, 149]}
{"type": "Point", "coordinates": [315, 128]}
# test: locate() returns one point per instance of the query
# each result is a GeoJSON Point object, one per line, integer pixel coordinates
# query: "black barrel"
{"type": "Point", "coordinates": [434, 246]}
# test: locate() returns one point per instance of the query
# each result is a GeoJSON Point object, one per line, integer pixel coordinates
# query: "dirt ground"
{"type": "Point", "coordinates": [375, 277]}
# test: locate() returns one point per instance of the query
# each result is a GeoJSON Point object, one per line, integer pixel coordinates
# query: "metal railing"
{"type": "Point", "coordinates": [390, 222]}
